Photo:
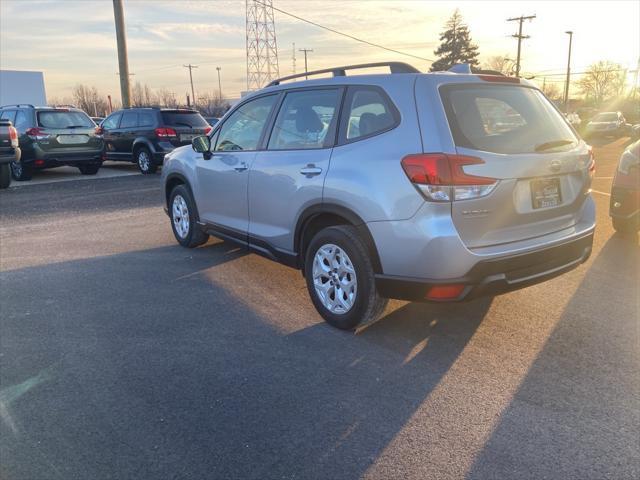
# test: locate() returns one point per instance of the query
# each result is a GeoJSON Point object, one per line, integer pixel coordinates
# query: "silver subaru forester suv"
{"type": "Point", "coordinates": [426, 187]}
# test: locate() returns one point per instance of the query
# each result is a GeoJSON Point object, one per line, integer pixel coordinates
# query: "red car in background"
{"type": "Point", "coordinates": [624, 207]}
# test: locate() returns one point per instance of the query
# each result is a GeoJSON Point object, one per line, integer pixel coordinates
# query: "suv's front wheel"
{"type": "Point", "coordinates": [144, 160]}
{"type": "Point", "coordinates": [340, 278]}
{"type": "Point", "coordinates": [182, 211]}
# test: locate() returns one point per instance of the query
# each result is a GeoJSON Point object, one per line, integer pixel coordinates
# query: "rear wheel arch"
{"type": "Point", "coordinates": [318, 217]}
{"type": "Point", "coordinates": [139, 143]}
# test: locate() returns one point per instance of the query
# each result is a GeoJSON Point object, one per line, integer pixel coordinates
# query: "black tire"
{"type": "Point", "coordinates": [5, 176]}
{"type": "Point", "coordinates": [90, 168]}
{"type": "Point", "coordinates": [143, 158]}
{"type": "Point", "coordinates": [626, 225]}
{"type": "Point", "coordinates": [368, 304]}
{"type": "Point", "coordinates": [195, 236]}
{"type": "Point", "coordinates": [21, 172]}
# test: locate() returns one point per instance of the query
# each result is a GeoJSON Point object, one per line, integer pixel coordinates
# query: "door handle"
{"type": "Point", "coordinates": [241, 168]}
{"type": "Point", "coordinates": [310, 170]}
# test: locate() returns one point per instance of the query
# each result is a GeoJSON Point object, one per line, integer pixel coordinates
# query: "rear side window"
{"type": "Point", "coordinates": [129, 120]}
{"type": "Point", "coordinates": [63, 119]}
{"type": "Point", "coordinates": [184, 119]}
{"type": "Point", "coordinates": [243, 129]}
{"type": "Point", "coordinates": [112, 121]}
{"type": "Point", "coordinates": [145, 119]}
{"type": "Point", "coordinates": [306, 119]}
{"type": "Point", "coordinates": [368, 112]}
{"type": "Point", "coordinates": [22, 120]}
{"type": "Point", "coordinates": [505, 119]}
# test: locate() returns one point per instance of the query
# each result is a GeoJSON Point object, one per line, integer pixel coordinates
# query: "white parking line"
{"type": "Point", "coordinates": [601, 193]}
{"type": "Point", "coordinates": [66, 174]}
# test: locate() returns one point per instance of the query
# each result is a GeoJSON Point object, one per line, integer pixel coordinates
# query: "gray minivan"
{"type": "Point", "coordinates": [426, 187]}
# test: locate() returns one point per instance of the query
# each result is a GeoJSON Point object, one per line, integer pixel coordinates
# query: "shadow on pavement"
{"type": "Point", "coordinates": [170, 376]}
{"type": "Point", "coordinates": [572, 417]}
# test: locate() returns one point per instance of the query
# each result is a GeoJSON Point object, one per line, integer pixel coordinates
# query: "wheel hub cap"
{"type": "Point", "coordinates": [180, 216]}
{"type": "Point", "coordinates": [334, 279]}
{"type": "Point", "coordinates": [143, 160]}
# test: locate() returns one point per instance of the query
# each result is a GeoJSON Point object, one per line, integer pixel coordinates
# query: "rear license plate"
{"type": "Point", "coordinates": [545, 192]}
{"type": "Point", "coordinates": [72, 139]}
{"type": "Point", "coordinates": [187, 137]}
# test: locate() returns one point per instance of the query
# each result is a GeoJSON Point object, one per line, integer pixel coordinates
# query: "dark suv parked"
{"type": "Point", "coordinates": [53, 136]}
{"type": "Point", "coordinates": [145, 135]}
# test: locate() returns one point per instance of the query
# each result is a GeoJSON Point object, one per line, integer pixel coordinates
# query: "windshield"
{"type": "Point", "coordinates": [505, 119]}
{"type": "Point", "coordinates": [63, 119]}
{"type": "Point", "coordinates": [605, 117]}
{"type": "Point", "coordinates": [184, 119]}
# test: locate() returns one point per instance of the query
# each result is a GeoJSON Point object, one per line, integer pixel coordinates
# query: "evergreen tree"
{"type": "Point", "coordinates": [455, 46]}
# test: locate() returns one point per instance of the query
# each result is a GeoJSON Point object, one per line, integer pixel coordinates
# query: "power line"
{"type": "Point", "coordinates": [193, 94]}
{"type": "Point", "coordinates": [348, 36]}
{"type": "Point", "coordinates": [519, 36]}
{"type": "Point", "coordinates": [305, 51]}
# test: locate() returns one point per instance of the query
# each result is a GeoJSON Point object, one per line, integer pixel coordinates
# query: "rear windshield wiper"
{"type": "Point", "coordinates": [551, 144]}
{"type": "Point", "coordinates": [77, 126]}
{"type": "Point", "coordinates": [182, 123]}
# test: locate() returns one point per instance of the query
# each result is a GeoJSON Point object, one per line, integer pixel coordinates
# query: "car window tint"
{"type": "Point", "coordinates": [369, 113]}
{"type": "Point", "coordinates": [9, 115]}
{"type": "Point", "coordinates": [129, 119]}
{"type": "Point", "coordinates": [22, 121]}
{"type": "Point", "coordinates": [112, 121]}
{"type": "Point", "coordinates": [183, 119]}
{"type": "Point", "coordinates": [145, 119]}
{"type": "Point", "coordinates": [63, 119]}
{"type": "Point", "coordinates": [242, 130]}
{"type": "Point", "coordinates": [304, 119]}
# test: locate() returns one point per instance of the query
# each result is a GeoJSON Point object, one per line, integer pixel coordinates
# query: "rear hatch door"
{"type": "Point", "coordinates": [187, 124]}
{"type": "Point", "coordinates": [541, 166]}
{"type": "Point", "coordinates": [65, 131]}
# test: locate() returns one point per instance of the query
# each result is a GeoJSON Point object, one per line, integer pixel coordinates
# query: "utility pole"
{"type": "Point", "coordinates": [305, 50]}
{"type": "Point", "coordinates": [193, 94]}
{"type": "Point", "coordinates": [219, 83]}
{"type": "Point", "coordinates": [519, 36]}
{"type": "Point", "coordinates": [566, 87]}
{"type": "Point", "coordinates": [123, 61]}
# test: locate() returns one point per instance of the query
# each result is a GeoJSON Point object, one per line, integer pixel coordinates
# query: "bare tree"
{"type": "Point", "coordinates": [166, 98]}
{"type": "Point", "coordinates": [602, 81]}
{"type": "Point", "coordinates": [211, 105]}
{"type": "Point", "coordinates": [88, 99]}
{"type": "Point", "coordinates": [143, 96]}
{"type": "Point", "coordinates": [551, 90]}
{"type": "Point", "coordinates": [500, 63]}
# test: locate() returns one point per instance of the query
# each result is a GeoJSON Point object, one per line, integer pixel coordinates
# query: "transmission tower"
{"type": "Point", "coordinates": [262, 48]}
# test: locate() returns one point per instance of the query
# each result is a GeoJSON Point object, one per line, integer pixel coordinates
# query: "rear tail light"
{"type": "Point", "coordinates": [441, 178]}
{"type": "Point", "coordinates": [36, 133]}
{"type": "Point", "coordinates": [99, 131]}
{"type": "Point", "coordinates": [445, 292]}
{"type": "Point", "coordinates": [165, 132]}
{"type": "Point", "coordinates": [499, 78]}
{"type": "Point", "coordinates": [13, 133]}
{"type": "Point", "coordinates": [208, 130]}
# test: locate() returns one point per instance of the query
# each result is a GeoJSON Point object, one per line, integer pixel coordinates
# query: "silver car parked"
{"type": "Point", "coordinates": [426, 187]}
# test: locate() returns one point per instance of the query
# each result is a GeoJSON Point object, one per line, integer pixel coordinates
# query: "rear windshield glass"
{"type": "Point", "coordinates": [505, 119]}
{"type": "Point", "coordinates": [184, 119]}
{"type": "Point", "coordinates": [605, 117]}
{"type": "Point", "coordinates": [62, 119]}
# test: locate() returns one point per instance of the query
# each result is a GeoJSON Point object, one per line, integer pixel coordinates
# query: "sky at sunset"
{"type": "Point", "coordinates": [73, 41]}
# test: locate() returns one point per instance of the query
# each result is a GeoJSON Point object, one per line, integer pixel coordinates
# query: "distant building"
{"type": "Point", "coordinates": [22, 87]}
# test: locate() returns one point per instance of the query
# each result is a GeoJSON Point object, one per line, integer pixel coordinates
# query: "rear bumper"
{"type": "Point", "coordinates": [496, 275]}
{"type": "Point", "coordinates": [58, 159]}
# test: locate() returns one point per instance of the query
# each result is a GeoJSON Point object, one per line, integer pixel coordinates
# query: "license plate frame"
{"type": "Point", "coordinates": [545, 192]}
{"type": "Point", "coordinates": [78, 139]}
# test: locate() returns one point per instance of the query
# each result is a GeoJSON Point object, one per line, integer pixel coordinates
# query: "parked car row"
{"type": "Point", "coordinates": [56, 136]}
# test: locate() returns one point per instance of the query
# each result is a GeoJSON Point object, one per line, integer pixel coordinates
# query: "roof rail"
{"type": "Point", "coordinates": [28, 105]}
{"type": "Point", "coordinates": [62, 105]}
{"type": "Point", "coordinates": [395, 67]}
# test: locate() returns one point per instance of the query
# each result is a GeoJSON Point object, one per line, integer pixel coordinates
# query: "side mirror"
{"type": "Point", "coordinates": [202, 144]}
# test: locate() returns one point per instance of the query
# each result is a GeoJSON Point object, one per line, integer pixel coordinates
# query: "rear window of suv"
{"type": "Point", "coordinates": [63, 119]}
{"type": "Point", "coordinates": [505, 119]}
{"type": "Point", "coordinates": [184, 119]}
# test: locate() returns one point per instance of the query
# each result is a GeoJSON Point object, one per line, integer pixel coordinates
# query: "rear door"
{"type": "Point", "coordinates": [289, 175]}
{"type": "Point", "coordinates": [110, 133]}
{"type": "Point", "coordinates": [540, 166]}
{"type": "Point", "coordinates": [127, 133]}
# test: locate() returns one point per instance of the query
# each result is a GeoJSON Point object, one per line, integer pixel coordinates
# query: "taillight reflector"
{"type": "Point", "coordinates": [442, 169]}
{"type": "Point", "coordinates": [445, 292]}
{"type": "Point", "coordinates": [13, 133]}
{"type": "Point", "coordinates": [36, 133]}
{"type": "Point", "coordinates": [208, 130]}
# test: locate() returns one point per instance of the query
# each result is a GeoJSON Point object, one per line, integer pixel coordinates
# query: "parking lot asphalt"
{"type": "Point", "coordinates": [125, 356]}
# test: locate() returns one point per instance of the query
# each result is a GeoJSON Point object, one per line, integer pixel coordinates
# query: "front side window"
{"type": "Point", "coordinates": [63, 119]}
{"type": "Point", "coordinates": [305, 120]}
{"type": "Point", "coordinates": [505, 119]}
{"type": "Point", "coordinates": [368, 113]}
{"type": "Point", "coordinates": [112, 121]}
{"type": "Point", "coordinates": [243, 129]}
{"type": "Point", "coordinates": [129, 120]}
